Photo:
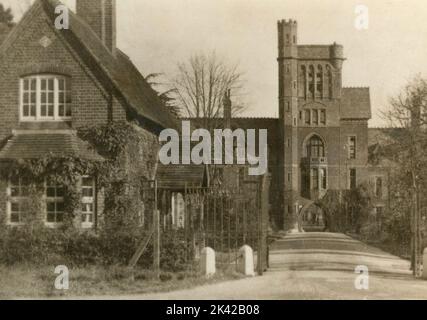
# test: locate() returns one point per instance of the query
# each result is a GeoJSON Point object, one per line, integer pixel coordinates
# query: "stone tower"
{"type": "Point", "coordinates": [288, 113]}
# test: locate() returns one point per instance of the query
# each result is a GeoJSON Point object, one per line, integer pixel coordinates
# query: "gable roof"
{"type": "Point", "coordinates": [124, 77]}
{"type": "Point", "coordinates": [356, 103]}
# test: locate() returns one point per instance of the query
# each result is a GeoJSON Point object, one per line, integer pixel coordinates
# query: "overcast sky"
{"type": "Point", "coordinates": [157, 34]}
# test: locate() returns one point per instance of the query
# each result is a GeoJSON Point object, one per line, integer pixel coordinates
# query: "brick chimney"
{"type": "Point", "coordinates": [101, 17]}
{"type": "Point", "coordinates": [227, 109]}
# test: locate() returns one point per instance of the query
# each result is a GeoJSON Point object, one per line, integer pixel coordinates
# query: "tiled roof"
{"type": "Point", "coordinates": [38, 145]}
{"type": "Point", "coordinates": [355, 103]}
{"type": "Point", "coordinates": [118, 68]}
{"type": "Point", "coordinates": [178, 176]}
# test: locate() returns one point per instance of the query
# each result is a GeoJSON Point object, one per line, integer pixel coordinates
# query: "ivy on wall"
{"type": "Point", "coordinates": [111, 142]}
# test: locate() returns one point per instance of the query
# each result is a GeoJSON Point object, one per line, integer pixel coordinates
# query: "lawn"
{"type": "Point", "coordinates": [22, 282]}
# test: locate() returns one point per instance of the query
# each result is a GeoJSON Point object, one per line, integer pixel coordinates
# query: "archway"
{"type": "Point", "coordinates": [311, 218]}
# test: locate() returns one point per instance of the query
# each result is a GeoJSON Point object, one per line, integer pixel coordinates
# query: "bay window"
{"type": "Point", "coordinates": [45, 98]}
{"type": "Point", "coordinates": [315, 178]}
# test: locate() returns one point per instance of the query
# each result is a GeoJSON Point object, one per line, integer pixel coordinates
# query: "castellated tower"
{"type": "Point", "coordinates": [288, 114]}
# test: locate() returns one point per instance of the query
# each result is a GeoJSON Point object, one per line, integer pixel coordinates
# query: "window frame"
{"type": "Point", "coordinates": [315, 185]}
{"type": "Point", "coordinates": [88, 200]}
{"type": "Point", "coordinates": [307, 116]}
{"type": "Point", "coordinates": [15, 199]}
{"type": "Point", "coordinates": [54, 200]}
{"type": "Point", "coordinates": [350, 186]}
{"type": "Point", "coordinates": [323, 179]}
{"type": "Point", "coordinates": [315, 117]}
{"type": "Point", "coordinates": [352, 154]}
{"type": "Point", "coordinates": [315, 147]}
{"type": "Point", "coordinates": [66, 103]}
{"type": "Point", "coordinates": [322, 117]}
{"type": "Point", "coordinates": [379, 189]}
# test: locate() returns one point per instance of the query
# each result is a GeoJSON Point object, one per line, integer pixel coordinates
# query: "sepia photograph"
{"type": "Point", "coordinates": [213, 150]}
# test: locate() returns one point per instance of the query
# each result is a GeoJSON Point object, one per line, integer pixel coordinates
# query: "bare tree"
{"type": "Point", "coordinates": [408, 111]}
{"type": "Point", "coordinates": [201, 84]}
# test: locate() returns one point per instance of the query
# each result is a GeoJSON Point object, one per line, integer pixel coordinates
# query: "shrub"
{"type": "Point", "coordinates": [42, 246]}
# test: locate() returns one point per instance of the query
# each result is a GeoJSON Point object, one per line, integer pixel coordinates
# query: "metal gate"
{"type": "Point", "coordinates": [213, 217]}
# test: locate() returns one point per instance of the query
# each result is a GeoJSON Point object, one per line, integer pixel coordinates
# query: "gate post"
{"type": "Point", "coordinates": [262, 255]}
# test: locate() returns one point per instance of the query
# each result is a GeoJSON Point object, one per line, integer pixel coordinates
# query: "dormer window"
{"type": "Point", "coordinates": [45, 98]}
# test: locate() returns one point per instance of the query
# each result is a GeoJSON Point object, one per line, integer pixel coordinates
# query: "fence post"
{"type": "Point", "coordinates": [156, 238]}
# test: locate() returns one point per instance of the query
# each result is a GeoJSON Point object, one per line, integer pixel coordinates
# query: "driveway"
{"type": "Point", "coordinates": [314, 266]}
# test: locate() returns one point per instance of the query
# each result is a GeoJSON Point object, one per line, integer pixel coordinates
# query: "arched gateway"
{"type": "Point", "coordinates": [311, 218]}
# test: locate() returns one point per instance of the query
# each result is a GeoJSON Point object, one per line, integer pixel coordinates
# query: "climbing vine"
{"type": "Point", "coordinates": [110, 141]}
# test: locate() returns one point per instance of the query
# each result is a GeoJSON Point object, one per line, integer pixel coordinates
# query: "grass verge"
{"type": "Point", "coordinates": [22, 282]}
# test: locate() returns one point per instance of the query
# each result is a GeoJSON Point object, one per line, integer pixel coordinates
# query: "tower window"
{"type": "Point", "coordinates": [307, 117]}
{"type": "Point", "coordinates": [311, 80]}
{"type": "Point", "coordinates": [379, 187]}
{"type": "Point", "coordinates": [330, 80]}
{"type": "Point", "coordinates": [295, 39]}
{"type": "Point", "coordinates": [319, 80]}
{"type": "Point", "coordinates": [353, 178]}
{"type": "Point", "coordinates": [352, 147]}
{"type": "Point", "coordinates": [315, 117]}
{"type": "Point", "coordinates": [303, 81]}
{"type": "Point", "coordinates": [315, 147]}
{"type": "Point", "coordinates": [323, 117]}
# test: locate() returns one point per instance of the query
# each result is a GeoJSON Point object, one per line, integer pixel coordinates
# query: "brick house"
{"type": "Point", "coordinates": [54, 82]}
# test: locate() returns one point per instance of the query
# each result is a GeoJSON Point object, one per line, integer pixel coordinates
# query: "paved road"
{"type": "Point", "coordinates": [315, 266]}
